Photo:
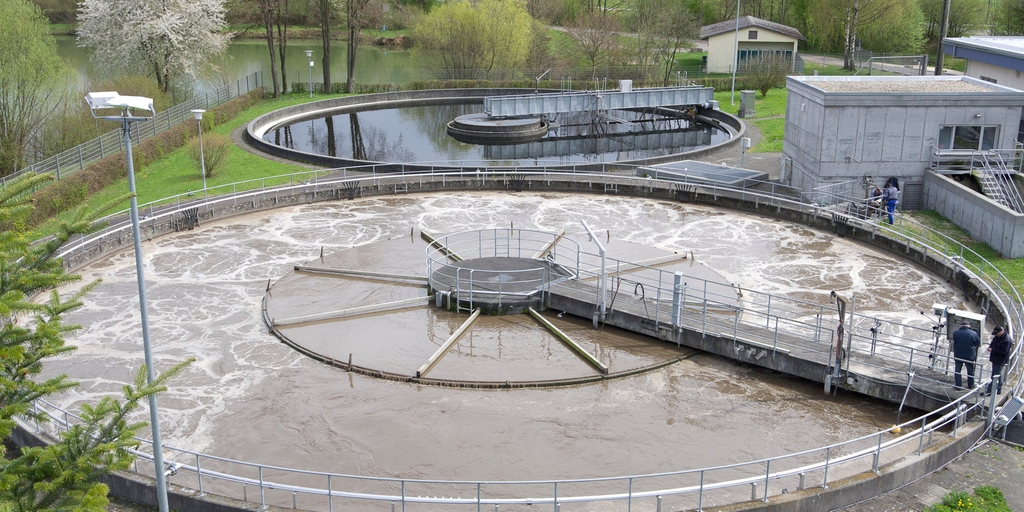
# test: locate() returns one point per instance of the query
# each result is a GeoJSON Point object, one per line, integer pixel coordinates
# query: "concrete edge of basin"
{"type": "Point", "coordinates": [254, 130]}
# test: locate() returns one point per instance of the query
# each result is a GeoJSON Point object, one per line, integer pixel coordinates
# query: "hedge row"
{"type": "Point", "coordinates": [73, 190]}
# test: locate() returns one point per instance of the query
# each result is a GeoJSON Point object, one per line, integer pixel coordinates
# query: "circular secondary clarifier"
{"type": "Point", "coordinates": [250, 397]}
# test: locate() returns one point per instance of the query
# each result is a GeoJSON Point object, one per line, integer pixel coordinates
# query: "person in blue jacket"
{"type": "Point", "coordinates": [966, 343]}
{"type": "Point", "coordinates": [998, 355]}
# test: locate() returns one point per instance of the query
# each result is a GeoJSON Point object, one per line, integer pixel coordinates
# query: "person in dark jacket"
{"type": "Point", "coordinates": [966, 343]}
{"type": "Point", "coordinates": [998, 355]}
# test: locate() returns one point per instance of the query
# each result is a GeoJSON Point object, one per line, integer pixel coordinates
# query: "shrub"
{"type": "Point", "coordinates": [212, 153]}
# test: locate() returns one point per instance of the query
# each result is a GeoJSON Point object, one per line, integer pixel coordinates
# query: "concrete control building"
{"type": "Point", "coordinates": [757, 38]}
{"type": "Point", "coordinates": [843, 131]}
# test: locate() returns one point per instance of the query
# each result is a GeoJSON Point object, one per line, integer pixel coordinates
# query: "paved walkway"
{"type": "Point", "coordinates": [990, 463]}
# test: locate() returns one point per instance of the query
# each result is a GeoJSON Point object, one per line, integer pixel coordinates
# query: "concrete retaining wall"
{"type": "Point", "coordinates": [982, 218]}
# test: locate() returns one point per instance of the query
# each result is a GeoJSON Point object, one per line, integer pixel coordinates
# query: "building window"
{"type": "Point", "coordinates": [987, 79]}
{"type": "Point", "coordinates": [752, 34]}
{"type": "Point", "coordinates": [967, 137]}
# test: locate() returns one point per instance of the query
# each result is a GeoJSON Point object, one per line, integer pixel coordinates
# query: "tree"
{"type": "Point", "coordinates": [963, 14]}
{"type": "Point", "coordinates": [767, 72]}
{"type": "Point", "coordinates": [591, 40]}
{"type": "Point", "coordinates": [475, 41]}
{"type": "Point", "coordinates": [281, 20]}
{"type": "Point", "coordinates": [168, 39]}
{"type": "Point", "coordinates": [34, 81]}
{"type": "Point", "coordinates": [837, 24]}
{"type": "Point", "coordinates": [325, 15]}
{"type": "Point", "coordinates": [1008, 18]}
{"type": "Point", "coordinates": [63, 475]}
{"type": "Point", "coordinates": [359, 14]}
{"type": "Point", "coordinates": [267, 15]}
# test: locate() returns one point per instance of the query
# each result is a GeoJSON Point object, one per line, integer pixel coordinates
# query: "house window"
{"type": "Point", "coordinates": [987, 79]}
{"type": "Point", "coordinates": [752, 34]}
{"type": "Point", "coordinates": [967, 137]}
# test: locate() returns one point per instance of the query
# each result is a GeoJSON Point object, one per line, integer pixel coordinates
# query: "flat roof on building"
{"type": "Point", "coordinates": [1012, 46]}
{"type": "Point", "coordinates": [899, 84]}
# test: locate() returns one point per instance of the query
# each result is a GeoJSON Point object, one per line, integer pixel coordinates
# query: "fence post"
{"type": "Point", "coordinates": [81, 164]}
{"type": "Point", "coordinates": [56, 161]}
{"type": "Point", "coordinates": [199, 475]}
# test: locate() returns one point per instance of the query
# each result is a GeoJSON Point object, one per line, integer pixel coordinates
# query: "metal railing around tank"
{"type": "Point", "coordinates": [777, 314]}
{"type": "Point", "coordinates": [690, 489]}
{"type": "Point", "coordinates": [471, 284]}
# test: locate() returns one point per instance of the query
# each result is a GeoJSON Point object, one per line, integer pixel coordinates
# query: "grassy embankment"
{"type": "Point", "coordinates": [176, 173]}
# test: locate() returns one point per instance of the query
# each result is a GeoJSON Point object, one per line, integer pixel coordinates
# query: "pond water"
{"type": "Point", "coordinates": [418, 134]}
{"type": "Point", "coordinates": [375, 64]}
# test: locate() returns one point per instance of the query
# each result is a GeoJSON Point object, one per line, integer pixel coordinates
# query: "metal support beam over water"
{"type": "Point", "coordinates": [432, 241]}
{"type": "Point", "coordinates": [360, 273]}
{"type": "Point", "coordinates": [440, 352]}
{"type": "Point", "coordinates": [634, 265]}
{"type": "Point", "coordinates": [568, 341]}
{"type": "Point", "coordinates": [361, 310]}
{"type": "Point", "coordinates": [544, 251]}
{"type": "Point", "coordinates": [553, 103]}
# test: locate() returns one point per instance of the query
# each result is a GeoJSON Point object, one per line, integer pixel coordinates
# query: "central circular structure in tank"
{"type": "Point", "coordinates": [482, 129]}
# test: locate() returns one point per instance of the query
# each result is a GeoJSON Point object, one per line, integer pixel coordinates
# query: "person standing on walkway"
{"type": "Point", "coordinates": [890, 198]}
{"type": "Point", "coordinates": [966, 343]}
{"type": "Point", "coordinates": [999, 353]}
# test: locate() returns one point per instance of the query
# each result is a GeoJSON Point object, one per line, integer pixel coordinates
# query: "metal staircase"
{"type": "Point", "coordinates": [996, 179]}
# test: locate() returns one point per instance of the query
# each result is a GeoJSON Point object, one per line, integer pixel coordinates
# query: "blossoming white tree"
{"type": "Point", "coordinates": [168, 39]}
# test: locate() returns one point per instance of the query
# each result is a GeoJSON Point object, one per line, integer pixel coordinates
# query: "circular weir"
{"type": "Point", "coordinates": [486, 284]}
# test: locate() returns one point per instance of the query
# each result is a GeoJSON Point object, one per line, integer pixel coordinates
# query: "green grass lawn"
{"type": "Point", "coordinates": [63, 29]}
{"type": "Point", "coordinates": [985, 498]}
{"type": "Point", "coordinates": [376, 33]}
{"type": "Point", "coordinates": [176, 173]}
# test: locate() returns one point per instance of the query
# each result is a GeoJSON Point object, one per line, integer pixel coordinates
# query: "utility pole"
{"type": "Point", "coordinates": [942, 36]}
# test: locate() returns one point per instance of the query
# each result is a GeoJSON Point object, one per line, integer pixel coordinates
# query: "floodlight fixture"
{"type": "Point", "coordinates": [128, 105]}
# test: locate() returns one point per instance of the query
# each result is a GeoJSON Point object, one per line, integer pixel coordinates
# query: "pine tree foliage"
{"type": "Point", "coordinates": [63, 475]}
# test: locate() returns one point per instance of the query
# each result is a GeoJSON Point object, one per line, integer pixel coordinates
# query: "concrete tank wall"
{"type": "Point", "coordinates": [982, 218]}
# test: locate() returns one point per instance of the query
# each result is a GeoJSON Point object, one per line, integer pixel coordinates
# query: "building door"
{"type": "Point", "coordinates": [913, 196]}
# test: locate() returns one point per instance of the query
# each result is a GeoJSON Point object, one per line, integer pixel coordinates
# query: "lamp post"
{"type": "Point", "coordinates": [309, 56]}
{"type": "Point", "coordinates": [202, 158]}
{"type": "Point", "coordinates": [126, 104]}
{"type": "Point", "coordinates": [735, 54]}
